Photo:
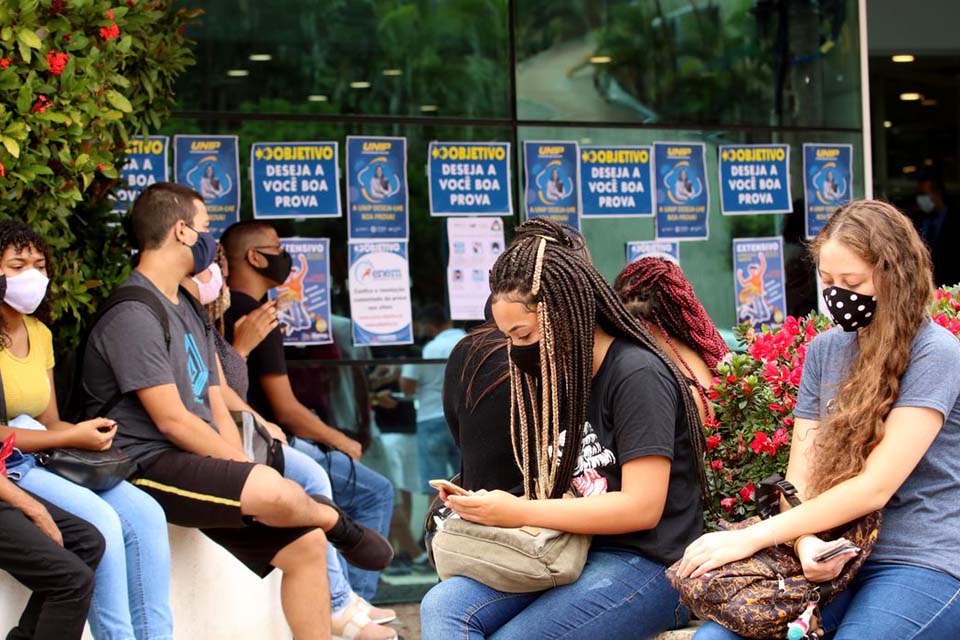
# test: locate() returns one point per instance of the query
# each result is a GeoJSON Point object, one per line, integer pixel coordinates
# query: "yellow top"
{"type": "Point", "coordinates": [26, 384]}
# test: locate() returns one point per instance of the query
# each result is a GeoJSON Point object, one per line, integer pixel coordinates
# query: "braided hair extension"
{"type": "Point", "coordinates": [20, 236]}
{"type": "Point", "coordinates": [655, 290]}
{"type": "Point", "coordinates": [543, 270]}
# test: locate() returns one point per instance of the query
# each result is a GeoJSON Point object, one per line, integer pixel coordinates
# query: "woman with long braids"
{"type": "Point", "coordinates": [655, 291]}
{"type": "Point", "coordinates": [595, 404]}
{"type": "Point", "coordinates": [878, 427]}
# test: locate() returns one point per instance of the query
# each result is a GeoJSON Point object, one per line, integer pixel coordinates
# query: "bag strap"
{"type": "Point", "coordinates": [3, 404]}
{"type": "Point", "coordinates": [769, 492]}
{"type": "Point", "coordinates": [131, 293]}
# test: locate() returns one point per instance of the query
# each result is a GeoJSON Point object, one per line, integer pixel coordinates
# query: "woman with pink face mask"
{"type": "Point", "coordinates": [132, 588]}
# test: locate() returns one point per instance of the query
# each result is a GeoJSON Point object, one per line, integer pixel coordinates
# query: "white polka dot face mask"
{"type": "Point", "coordinates": [850, 310]}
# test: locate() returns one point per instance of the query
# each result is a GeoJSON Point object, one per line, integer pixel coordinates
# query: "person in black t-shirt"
{"type": "Point", "coordinates": [629, 438]}
{"type": "Point", "coordinates": [258, 263]}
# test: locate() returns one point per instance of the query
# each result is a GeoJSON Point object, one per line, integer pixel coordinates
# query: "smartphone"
{"type": "Point", "coordinates": [844, 546]}
{"type": "Point", "coordinates": [449, 487]}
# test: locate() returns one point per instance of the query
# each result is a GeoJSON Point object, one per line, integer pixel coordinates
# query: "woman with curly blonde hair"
{"type": "Point", "coordinates": [878, 427]}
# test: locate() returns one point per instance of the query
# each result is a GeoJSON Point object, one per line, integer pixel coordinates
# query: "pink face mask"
{"type": "Point", "coordinates": [210, 290]}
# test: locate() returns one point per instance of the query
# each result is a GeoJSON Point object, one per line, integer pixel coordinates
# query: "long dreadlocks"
{"type": "Point", "coordinates": [655, 290]}
{"type": "Point", "coordinates": [543, 269]}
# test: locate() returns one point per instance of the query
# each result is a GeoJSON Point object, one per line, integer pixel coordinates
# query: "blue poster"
{"type": "Point", "coordinates": [303, 306]}
{"type": "Point", "coordinates": [552, 186]}
{"type": "Point", "coordinates": [616, 182]}
{"type": "Point", "coordinates": [469, 179]}
{"type": "Point", "coordinates": [377, 201]}
{"type": "Point", "coordinates": [295, 180]}
{"type": "Point", "coordinates": [683, 196]}
{"type": "Point", "coordinates": [759, 281]}
{"type": "Point", "coordinates": [755, 178]}
{"type": "Point", "coordinates": [145, 164]}
{"type": "Point", "coordinates": [667, 249]}
{"type": "Point", "coordinates": [210, 165]}
{"type": "Point", "coordinates": [827, 182]}
{"type": "Point", "coordinates": [379, 284]}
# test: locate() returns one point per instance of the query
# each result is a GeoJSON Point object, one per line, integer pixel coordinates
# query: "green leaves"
{"type": "Point", "coordinates": [118, 101]}
{"type": "Point", "coordinates": [62, 136]}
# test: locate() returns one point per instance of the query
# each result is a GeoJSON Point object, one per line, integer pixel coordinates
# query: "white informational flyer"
{"type": "Point", "coordinates": [475, 244]}
{"type": "Point", "coordinates": [380, 293]}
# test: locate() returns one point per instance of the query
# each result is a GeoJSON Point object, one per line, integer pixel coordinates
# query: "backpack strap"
{"type": "Point", "coordinates": [130, 293]}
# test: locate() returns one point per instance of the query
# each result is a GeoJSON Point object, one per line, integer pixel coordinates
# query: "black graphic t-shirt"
{"type": "Point", "coordinates": [635, 411]}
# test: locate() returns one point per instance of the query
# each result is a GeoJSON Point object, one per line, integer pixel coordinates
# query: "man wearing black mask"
{"type": "Point", "coordinates": [257, 264]}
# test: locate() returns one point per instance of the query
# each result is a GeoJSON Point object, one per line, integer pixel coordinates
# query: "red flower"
{"type": "Point", "coordinates": [713, 394]}
{"type": "Point", "coordinates": [100, 167]}
{"type": "Point", "coordinates": [57, 7]}
{"type": "Point", "coordinates": [727, 503]}
{"type": "Point", "coordinates": [746, 493]}
{"type": "Point", "coordinates": [762, 444]}
{"type": "Point", "coordinates": [716, 465]}
{"type": "Point", "coordinates": [109, 14]}
{"type": "Point", "coordinates": [731, 378]}
{"type": "Point", "coordinates": [788, 422]}
{"type": "Point", "coordinates": [780, 437]}
{"type": "Point", "coordinates": [713, 442]}
{"type": "Point", "coordinates": [110, 33]}
{"type": "Point", "coordinates": [747, 388]}
{"type": "Point", "coordinates": [57, 61]}
{"type": "Point", "coordinates": [67, 36]}
{"type": "Point", "coordinates": [776, 408]}
{"type": "Point", "coordinates": [41, 105]}
{"type": "Point", "coordinates": [4, 63]}
{"type": "Point", "coordinates": [3, 171]}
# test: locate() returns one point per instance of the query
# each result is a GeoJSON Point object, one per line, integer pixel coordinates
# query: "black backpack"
{"type": "Point", "coordinates": [73, 403]}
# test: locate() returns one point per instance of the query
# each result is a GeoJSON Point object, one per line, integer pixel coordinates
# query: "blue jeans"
{"type": "Point", "coordinates": [303, 470]}
{"type": "Point", "coordinates": [132, 591]}
{"type": "Point", "coordinates": [620, 594]}
{"type": "Point", "coordinates": [885, 600]}
{"type": "Point", "coordinates": [437, 453]}
{"type": "Point", "coordinates": [364, 494]}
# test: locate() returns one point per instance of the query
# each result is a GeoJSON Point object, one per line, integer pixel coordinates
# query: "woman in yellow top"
{"type": "Point", "coordinates": [131, 595]}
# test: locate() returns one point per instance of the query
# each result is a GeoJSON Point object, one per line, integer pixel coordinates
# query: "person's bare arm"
{"type": "Point", "coordinates": [31, 508]}
{"type": "Point", "coordinates": [638, 506]}
{"type": "Point", "coordinates": [299, 420]}
{"type": "Point", "coordinates": [162, 403]}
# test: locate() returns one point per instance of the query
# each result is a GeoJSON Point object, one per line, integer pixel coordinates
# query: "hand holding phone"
{"type": "Point", "coordinates": [839, 547]}
{"type": "Point", "coordinates": [449, 487]}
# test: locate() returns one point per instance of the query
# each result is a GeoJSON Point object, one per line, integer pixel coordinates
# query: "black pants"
{"type": "Point", "coordinates": [61, 578]}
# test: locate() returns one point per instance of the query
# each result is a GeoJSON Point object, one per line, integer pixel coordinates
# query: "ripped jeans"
{"type": "Point", "coordinates": [620, 594]}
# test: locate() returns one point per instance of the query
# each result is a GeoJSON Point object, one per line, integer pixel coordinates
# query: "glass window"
{"type": "Point", "coordinates": [791, 63]}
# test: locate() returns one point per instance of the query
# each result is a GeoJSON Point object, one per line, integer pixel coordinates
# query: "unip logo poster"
{"type": "Point", "coordinates": [682, 192]}
{"type": "Point", "coordinates": [210, 165]}
{"type": "Point", "coordinates": [552, 181]}
{"type": "Point", "coordinates": [827, 182]}
{"type": "Point", "coordinates": [377, 198]}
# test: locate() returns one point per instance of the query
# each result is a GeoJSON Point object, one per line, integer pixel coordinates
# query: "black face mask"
{"type": "Point", "coordinates": [849, 310]}
{"type": "Point", "coordinates": [278, 266]}
{"type": "Point", "coordinates": [527, 358]}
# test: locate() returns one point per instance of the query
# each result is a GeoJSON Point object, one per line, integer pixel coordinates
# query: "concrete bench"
{"type": "Point", "coordinates": [213, 596]}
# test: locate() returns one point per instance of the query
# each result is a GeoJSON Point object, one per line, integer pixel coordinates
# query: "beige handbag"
{"type": "Point", "coordinates": [513, 560]}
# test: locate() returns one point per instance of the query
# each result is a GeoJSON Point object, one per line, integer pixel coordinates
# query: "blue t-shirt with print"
{"type": "Point", "coordinates": [921, 522]}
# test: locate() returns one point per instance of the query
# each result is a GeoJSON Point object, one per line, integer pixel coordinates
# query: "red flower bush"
{"type": "Point", "coordinates": [753, 397]}
{"type": "Point", "coordinates": [945, 308]}
{"type": "Point", "coordinates": [110, 33]}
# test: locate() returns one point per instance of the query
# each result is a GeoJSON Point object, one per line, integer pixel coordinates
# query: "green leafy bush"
{"type": "Point", "coordinates": [77, 79]}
